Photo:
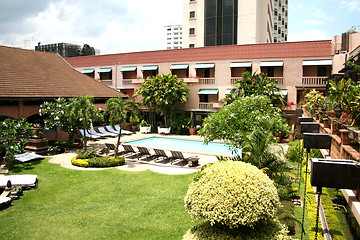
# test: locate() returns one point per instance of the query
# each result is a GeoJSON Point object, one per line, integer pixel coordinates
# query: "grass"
{"type": "Point", "coordinates": [107, 204]}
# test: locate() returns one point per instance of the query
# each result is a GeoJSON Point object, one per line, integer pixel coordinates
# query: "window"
{"type": "Point", "coordinates": [282, 34]}
{"type": "Point", "coordinates": [285, 26]}
{"type": "Point", "coordinates": [207, 73]}
{"type": "Point", "coordinates": [270, 72]}
{"type": "Point", "coordinates": [192, 14]}
{"type": "Point", "coordinates": [176, 33]}
{"type": "Point", "coordinates": [275, 12]}
{"type": "Point", "coordinates": [275, 27]}
{"type": "Point", "coordinates": [285, 38]}
{"type": "Point", "coordinates": [192, 31]}
{"type": "Point", "coordinates": [279, 31]}
{"type": "Point", "coordinates": [275, 40]}
{"type": "Point", "coordinates": [169, 29]}
{"type": "Point", "coordinates": [279, 17]}
{"type": "Point", "coordinates": [192, 0]}
{"type": "Point", "coordinates": [322, 71]}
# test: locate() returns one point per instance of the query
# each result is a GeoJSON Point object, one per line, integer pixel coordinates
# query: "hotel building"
{"type": "Point", "coordinates": [231, 22]}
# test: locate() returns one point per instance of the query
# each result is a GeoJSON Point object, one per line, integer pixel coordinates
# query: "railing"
{"type": "Point", "coordinates": [191, 80]}
{"type": "Point", "coordinates": [279, 79]}
{"type": "Point", "coordinates": [107, 82]}
{"type": "Point", "coordinates": [234, 79]}
{"type": "Point", "coordinates": [138, 80]}
{"type": "Point", "coordinates": [206, 106]}
{"type": "Point", "coordinates": [127, 81]}
{"type": "Point", "coordinates": [314, 81]}
{"type": "Point", "coordinates": [207, 81]}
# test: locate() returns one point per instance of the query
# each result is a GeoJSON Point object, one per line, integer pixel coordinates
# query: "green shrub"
{"type": "Point", "coordinates": [232, 193]}
{"type": "Point", "coordinates": [86, 154]}
{"type": "Point", "coordinates": [106, 162]}
{"type": "Point", "coordinates": [98, 162]}
{"type": "Point", "coordinates": [264, 230]}
{"type": "Point", "coordinates": [79, 162]}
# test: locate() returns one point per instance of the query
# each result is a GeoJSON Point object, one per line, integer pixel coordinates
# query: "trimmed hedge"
{"type": "Point", "coordinates": [264, 230]}
{"type": "Point", "coordinates": [98, 162]}
{"type": "Point", "coordinates": [234, 194]}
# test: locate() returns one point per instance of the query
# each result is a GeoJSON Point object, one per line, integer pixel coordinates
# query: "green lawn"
{"type": "Point", "coordinates": [108, 204]}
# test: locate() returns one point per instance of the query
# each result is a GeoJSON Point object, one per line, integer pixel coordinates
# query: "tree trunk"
{"type": "Point", "coordinates": [117, 144]}
{"type": "Point", "coordinates": [84, 140]}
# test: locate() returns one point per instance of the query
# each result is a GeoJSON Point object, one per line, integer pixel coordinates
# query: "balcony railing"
{"type": "Point", "coordinates": [206, 106]}
{"type": "Point", "coordinates": [279, 79]}
{"type": "Point", "coordinates": [138, 80]}
{"type": "Point", "coordinates": [314, 81]}
{"type": "Point", "coordinates": [234, 79]}
{"type": "Point", "coordinates": [191, 80]}
{"type": "Point", "coordinates": [107, 82]}
{"type": "Point", "coordinates": [207, 81]}
{"type": "Point", "coordinates": [127, 81]}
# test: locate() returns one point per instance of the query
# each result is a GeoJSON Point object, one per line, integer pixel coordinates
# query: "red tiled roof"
{"type": "Point", "coordinates": [252, 51]}
{"type": "Point", "coordinates": [30, 74]}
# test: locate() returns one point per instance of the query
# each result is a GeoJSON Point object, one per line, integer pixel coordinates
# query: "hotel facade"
{"type": "Point", "coordinates": [211, 72]}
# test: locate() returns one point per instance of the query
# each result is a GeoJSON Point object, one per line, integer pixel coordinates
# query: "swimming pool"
{"type": "Point", "coordinates": [189, 146]}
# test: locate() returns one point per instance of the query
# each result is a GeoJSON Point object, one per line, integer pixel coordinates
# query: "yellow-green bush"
{"type": "Point", "coordinates": [264, 230]}
{"type": "Point", "coordinates": [232, 193]}
{"type": "Point", "coordinates": [79, 162]}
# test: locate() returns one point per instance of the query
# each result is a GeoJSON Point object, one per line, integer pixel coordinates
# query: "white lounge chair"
{"type": "Point", "coordinates": [103, 131]}
{"type": "Point", "coordinates": [164, 130]}
{"type": "Point", "coordinates": [111, 129]}
{"type": "Point", "coordinates": [4, 200]}
{"type": "Point", "coordinates": [28, 156]}
{"type": "Point", "coordinates": [92, 132]}
{"type": "Point", "coordinates": [28, 180]}
{"type": "Point", "coordinates": [123, 132]}
{"type": "Point", "coordinates": [88, 135]}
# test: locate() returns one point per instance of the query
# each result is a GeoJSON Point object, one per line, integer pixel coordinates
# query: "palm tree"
{"type": "Point", "coordinates": [82, 113]}
{"type": "Point", "coordinates": [117, 110]}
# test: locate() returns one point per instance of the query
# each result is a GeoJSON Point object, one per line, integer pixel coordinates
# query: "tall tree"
{"type": "Point", "coordinates": [163, 92]}
{"type": "Point", "coordinates": [82, 112]}
{"type": "Point", "coordinates": [255, 84]}
{"type": "Point", "coordinates": [117, 110]}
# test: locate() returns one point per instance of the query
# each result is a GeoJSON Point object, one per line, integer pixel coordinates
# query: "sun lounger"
{"type": "Point", "coordinates": [130, 150]}
{"type": "Point", "coordinates": [177, 155]}
{"type": "Point", "coordinates": [111, 147]}
{"type": "Point", "coordinates": [123, 132]}
{"type": "Point", "coordinates": [27, 180]}
{"type": "Point", "coordinates": [111, 129]}
{"type": "Point", "coordinates": [28, 156]}
{"type": "Point", "coordinates": [92, 132]}
{"type": "Point", "coordinates": [161, 156]}
{"type": "Point", "coordinates": [88, 135]}
{"type": "Point", "coordinates": [103, 131]}
{"type": "Point", "coordinates": [4, 201]}
{"type": "Point", "coordinates": [145, 152]}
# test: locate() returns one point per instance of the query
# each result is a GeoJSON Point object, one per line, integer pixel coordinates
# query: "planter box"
{"type": "Point", "coordinates": [317, 140]}
{"type": "Point", "coordinates": [309, 127]}
{"type": "Point", "coordinates": [145, 129]}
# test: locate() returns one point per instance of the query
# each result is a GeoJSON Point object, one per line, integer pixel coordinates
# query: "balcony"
{"type": "Point", "coordinates": [206, 106]}
{"type": "Point", "coordinates": [107, 82]}
{"type": "Point", "coordinates": [137, 81]}
{"type": "Point", "coordinates": [207, 81]}
{"type": "Point", "coordinates": [127, 81]}
{"type": "Point", "coordinates": [234, 79]}
{"type": "Point", "coordinates": [314, 81]}
{"type": "Point", "coordinates": [279, 79]}
{"type": "Point", "coordinates": [191, 80]}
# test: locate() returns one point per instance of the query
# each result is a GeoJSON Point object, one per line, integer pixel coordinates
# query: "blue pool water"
{"type": "Point", "coordinates": [189, 146]}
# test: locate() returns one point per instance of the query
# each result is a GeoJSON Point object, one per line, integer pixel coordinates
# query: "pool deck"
{"type": "Point", "coordinates": [132, 165]}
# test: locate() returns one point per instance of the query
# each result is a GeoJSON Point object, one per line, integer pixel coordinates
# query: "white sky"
{"type": "Point", "coordinates": [116, 26]}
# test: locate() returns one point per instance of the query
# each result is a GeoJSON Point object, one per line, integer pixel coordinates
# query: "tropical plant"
{"type": "Point", "coordinates": [82, 113]}
{"type": "Point", "coordinates": [181, 124]}
{"type": "Point", "coordinates": [117, 110]}
{"type": "Point", "coordinates": [255, 84]}
{"type": "Point", "coordinates": [242, 117]}
{"type": "Point", "coordinates": [13, 136]}
{"type": "Point", "coordinates": [163, 93]}
{"type": "Point", "coordinates": [343, 92]}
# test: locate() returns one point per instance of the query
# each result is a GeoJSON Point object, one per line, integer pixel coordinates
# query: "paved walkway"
{"type": "Point", "coordinates": [64, 159]}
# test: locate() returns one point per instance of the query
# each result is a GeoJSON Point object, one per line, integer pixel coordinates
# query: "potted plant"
{"type": "Point", "coordinates": [134, 119]}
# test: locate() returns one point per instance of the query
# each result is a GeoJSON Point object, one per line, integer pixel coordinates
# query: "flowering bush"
{"type": "Point", "coordinates": [234, 194]}
{"type": "Point", "coordinates": [98, 162]}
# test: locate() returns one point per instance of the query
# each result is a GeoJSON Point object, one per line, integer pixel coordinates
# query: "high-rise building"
{"type": "Point", "coordinates": [229, 22]}
{"type": "Point", "coordinates": [173, 34]}
{"type": "Point", "coordinates": [67, 49]}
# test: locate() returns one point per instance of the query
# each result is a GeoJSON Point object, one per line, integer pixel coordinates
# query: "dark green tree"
{"type": "Point", "coordinates": [163, 92]}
